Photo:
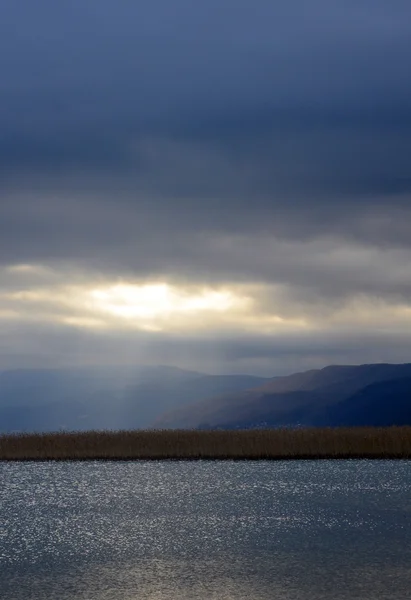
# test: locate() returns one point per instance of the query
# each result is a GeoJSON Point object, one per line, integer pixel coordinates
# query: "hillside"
{"type": "Point", "coordinates": [334, 395]}
{"type": "Point", "coordinates": [385, 403]}
{"type": "Point", "coordinates": [110, 398]}
{"type": "Point", "coordinates": [140, 397]}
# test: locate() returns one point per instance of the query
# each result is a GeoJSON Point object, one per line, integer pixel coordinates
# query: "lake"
{"type": "Point", "coordinates": [205, 530]}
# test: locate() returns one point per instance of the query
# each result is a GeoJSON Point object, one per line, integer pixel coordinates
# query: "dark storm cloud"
{"type": "Point", "coordinates": [277, 85]}
{"type": "Point", "coordinates": [223, 141]}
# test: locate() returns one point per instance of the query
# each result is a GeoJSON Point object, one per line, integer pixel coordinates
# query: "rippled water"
{"type": "Point", "coordinates": [209, 530]}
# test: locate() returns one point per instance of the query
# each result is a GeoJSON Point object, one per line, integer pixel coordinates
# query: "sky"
{"type": "Point", "coordinates": [222, 186]}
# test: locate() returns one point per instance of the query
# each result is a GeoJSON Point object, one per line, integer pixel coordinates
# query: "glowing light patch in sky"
{"type": "Point", "coordinates": [38, 294]}
{"type": "Point", "coordinates": [152, 301]}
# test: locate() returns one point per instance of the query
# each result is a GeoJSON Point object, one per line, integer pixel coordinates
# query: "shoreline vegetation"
{"type": "Point", "coordinates": [251, 444]}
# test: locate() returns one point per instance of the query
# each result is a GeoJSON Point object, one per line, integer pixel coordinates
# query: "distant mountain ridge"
{"type": "Point", "coordinates": [104, 397]}
{"type": "Point", "coordinates": [143, 397]}
{"type": "Point", "coordinates": [371, 394]}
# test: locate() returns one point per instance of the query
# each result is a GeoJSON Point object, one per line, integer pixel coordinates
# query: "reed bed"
{"type": "Point", "coordinates": [253, 444]}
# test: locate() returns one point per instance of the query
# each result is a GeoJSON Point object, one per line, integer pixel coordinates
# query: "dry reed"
{"type": "Point", "coordinates": [308, 443]}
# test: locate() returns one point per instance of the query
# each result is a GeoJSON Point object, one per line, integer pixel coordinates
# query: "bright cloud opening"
{"type": "Point", "coordinates": [160, 300]}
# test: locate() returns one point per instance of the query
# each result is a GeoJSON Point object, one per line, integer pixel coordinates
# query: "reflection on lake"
{"type": "Point", "coordinates": [186, 530]}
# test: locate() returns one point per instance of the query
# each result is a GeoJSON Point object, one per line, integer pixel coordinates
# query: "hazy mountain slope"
{"type": "Point", "coordinates": [295, 399]}
{"type": "Point", "coordinates": [24, 387]}
{"type": "Point", "coordinates": [145, 403]}
{"type": "Point", "coordinates": [108, 398]}
{"type": "Point", "coordinates": [379, 404]}
{"type": "Point", "coordinates": [43, 399]}
{"type": "Point", "coordinates": [141, 397]}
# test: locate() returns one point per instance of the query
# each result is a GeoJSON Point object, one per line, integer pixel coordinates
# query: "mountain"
{"type": "Point", "coordinates": [379, 405]}
{"type": "Point", "coordinates": [78, 398]}
{"type": "Point", "coordinates": [166, 397]}
{"type": "Point", "coordinates": [333, 396]}
{"type": "Point", "coordinates": [104, 398]}
{"type": "Point", "coordinates": [25, 387]}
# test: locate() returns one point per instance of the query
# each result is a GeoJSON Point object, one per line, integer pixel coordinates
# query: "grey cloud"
{"type": "Point", "coordinates": [215, 142]}
{"type": "Point", "coordinates": [81, 84]}
{"type": "Point", "coordinates": [209, 111]}
{"type": "Point", "coordinates": [41, 346]}
{"type": "Point", "coordinates": [291, 279]}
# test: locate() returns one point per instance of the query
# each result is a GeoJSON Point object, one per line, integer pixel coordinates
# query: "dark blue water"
{"type": "Point", "coordinates": [211, 530]}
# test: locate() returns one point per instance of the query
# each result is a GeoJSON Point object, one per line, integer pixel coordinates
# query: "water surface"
{"type": "Point", "coordinates": [205, 530]}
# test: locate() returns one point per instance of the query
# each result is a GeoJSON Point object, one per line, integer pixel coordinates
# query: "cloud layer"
{"type": "Point", "coordinates": [259, 150]}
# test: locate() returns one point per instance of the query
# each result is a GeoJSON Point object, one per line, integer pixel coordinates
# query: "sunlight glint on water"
{"type": "Point", "coordinates": [229, 530]}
